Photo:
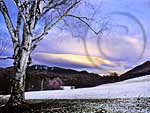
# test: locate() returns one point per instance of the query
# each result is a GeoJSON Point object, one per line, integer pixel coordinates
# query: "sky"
{"type": "Point", "coordinates": [123, 44]}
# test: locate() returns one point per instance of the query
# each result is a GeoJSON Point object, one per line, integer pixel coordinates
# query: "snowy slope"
{"type": "Point", "coordinates": [137, 87]}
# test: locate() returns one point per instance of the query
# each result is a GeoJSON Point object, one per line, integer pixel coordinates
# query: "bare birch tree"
{"type": "Point", "coordinates": [29, 15]}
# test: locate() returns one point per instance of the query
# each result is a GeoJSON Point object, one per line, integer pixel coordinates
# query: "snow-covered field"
{"type": "Point", "coordinates": [137, 87]}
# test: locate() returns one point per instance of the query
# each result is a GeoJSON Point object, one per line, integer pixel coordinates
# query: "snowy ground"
{"type": "Point", "coordinates": [137, 87]}
{"type": "Point", "coordinates": [119, 98]}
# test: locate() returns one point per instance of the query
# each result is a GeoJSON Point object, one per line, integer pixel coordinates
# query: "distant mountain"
{"type": "Point", "coordinates": [41, 77]}
{"type": "Point", "coordinates": [55, 69]}
{"type": "Point", "coordinates": [69, 77]}
{"type": "Point", "coordinates": [138, 71]}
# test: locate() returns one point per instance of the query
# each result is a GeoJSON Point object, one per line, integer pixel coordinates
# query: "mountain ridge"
{"type": "Point", "coordinates": [54, 77]}
{"type": "Point", "coordinates": [140, 70]}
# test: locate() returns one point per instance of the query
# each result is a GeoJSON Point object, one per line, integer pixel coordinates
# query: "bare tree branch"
{"type": "Point", "coordinates": [34, 12]}
{"type": "Point", "coordinates": [8, 21]}
{"type": "Point", "coordinates": [18, 23]}
{"type": "Point", "coordinates": [82, 19]}
{"type": "Point", "coordinates": [24, 16]}
{"type": "Point", "coordinates": [47, 29]}
{"type": "Point", "coordinates": [52, 5]}
{"type": "Point", "coordinates": [6, 58]}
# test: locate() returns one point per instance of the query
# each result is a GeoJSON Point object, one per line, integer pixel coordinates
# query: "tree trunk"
{"type": "Point", "coordinates": [18, 81]}
{"type": "Point", "coordinates": [21, 61]}
{"type": "Point", "coordinates": [42, 84]}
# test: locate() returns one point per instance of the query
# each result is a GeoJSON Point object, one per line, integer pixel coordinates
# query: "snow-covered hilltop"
{"type": "Point", "coordinates": [137, 87]}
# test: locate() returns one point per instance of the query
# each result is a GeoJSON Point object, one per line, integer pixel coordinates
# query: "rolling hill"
{"type": "Point", "coordinates": [40, 77]}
